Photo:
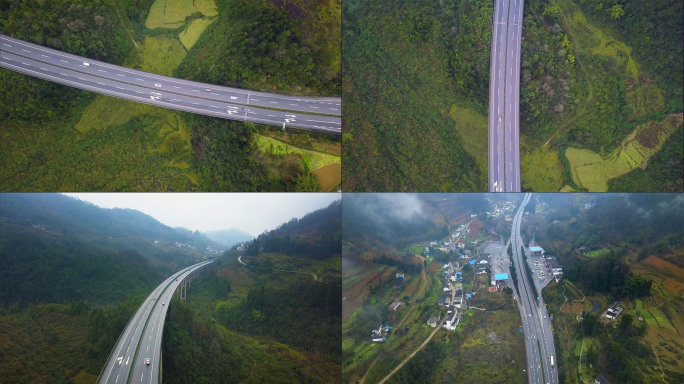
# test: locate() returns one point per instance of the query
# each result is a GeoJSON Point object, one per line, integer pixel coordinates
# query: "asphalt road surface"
{"type": "Point", "coordinates": [504, 97]}
{"type": "Point", "coordinates": [312, 113]}
{"type": "Point", "coordinates": [141, 339]}
{"type": "Point", "coordinates": [535, 321]}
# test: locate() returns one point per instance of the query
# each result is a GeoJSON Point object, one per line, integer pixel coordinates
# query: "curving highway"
{"type": "Point", "coordinates": [504, 97]}
{"type": "Point", "coordinates": [539, 342]}
{"type": "Point", "coordinates": [312, 113]}
{"type": "Point", "coordinates": [141, 339]}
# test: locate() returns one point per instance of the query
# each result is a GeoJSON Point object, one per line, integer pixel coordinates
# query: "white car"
{"type": "Point", "coordinates": [207, 89]}
{"type": "Point", "coordinates": [147, 361]}
{"type": "Point", "coordinates": [86, 64]}
{"type": "Point", "coordinates": [157, 85]}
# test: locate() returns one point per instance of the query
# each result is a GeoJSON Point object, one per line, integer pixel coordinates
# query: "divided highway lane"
{"type": "Point", "coordinates": [537, 329]}
{"type": "Point", "coordinates": [236, 104]}
{"type": "Point", "coordinates": [127, 359]}
{"type": "Point", "coordinates": [504, 97]}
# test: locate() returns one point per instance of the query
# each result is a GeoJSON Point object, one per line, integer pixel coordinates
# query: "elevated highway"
{"type": "Point", "coordinates": [142, 337]}
{"type": "Point", "coordinates": [321, 114]}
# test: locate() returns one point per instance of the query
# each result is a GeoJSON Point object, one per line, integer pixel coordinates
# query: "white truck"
{"type": "Point", "coordinates": [552, 360]}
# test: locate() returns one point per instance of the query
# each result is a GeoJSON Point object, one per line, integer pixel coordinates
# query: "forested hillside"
{"type": "Point", "coordinates": [415, 90]}
{"type": "Point", "coordinates": [317, 235]}
{"type": "Point", "coordinates": [272, 316]}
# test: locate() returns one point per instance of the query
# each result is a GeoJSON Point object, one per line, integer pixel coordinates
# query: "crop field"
{"type": "Point", "coordinates": [329, 176]}
{"type": "Point", "coordinates": [312, 159]}
{"type": "Point", "coordinates": [598, 252]}
{"type": "Point", "coordinates": [660, 318]}
{"type": "Point", "coordinates": [590, 170]}
{"type": "Point", "coordinates": [172, 14]}
{"type": "Point", "coordinates": [192, 33]}
{"type": "Point", "coordinates": [161, 55]}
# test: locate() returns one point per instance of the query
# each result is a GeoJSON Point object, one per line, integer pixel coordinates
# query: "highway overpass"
{"type": "Point", "coordinates": [312, 113]}
{"type": "Point", "coordinates": [142, 337]}
{"type": "Point", "coordinates": [504, 97]}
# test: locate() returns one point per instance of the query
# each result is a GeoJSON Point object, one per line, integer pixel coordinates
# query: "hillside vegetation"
{"type": "Point", "coordinates": [593, 72]}
{"type": "Point", "coordinates": [412, 70]}
{"type": "Point", "coordinates": [60, 138]}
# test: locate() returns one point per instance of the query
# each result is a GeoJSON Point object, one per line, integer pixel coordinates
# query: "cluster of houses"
{"type": "Point", "coordinates": [452, 298]}
{"type": "Point", "coordinates": [504, 210]}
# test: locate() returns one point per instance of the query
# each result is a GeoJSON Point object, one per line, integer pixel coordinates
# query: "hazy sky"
{"type": "Point", "coordinates": [249, 212]}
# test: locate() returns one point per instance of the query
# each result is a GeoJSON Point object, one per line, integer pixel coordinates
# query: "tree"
{"type": "Point", "coordinates": [307, 182]}
{"type": "Point", "coordinates": [616, 11]}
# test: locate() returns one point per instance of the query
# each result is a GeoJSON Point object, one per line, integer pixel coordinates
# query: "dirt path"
{"type": "Point", "coordinates": [124, 27]}
{"type": "Point", "coordinates": [315, 277]}
{"type": "Point", "coordinates": [661, 366]}
{"type": "Point", "coordinates": [395, 370]}
{"type": "Point", "coordinates": [240, 260]}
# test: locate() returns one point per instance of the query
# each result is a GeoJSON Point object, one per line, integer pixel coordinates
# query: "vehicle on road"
{"type": "Point", "coordinates": [552, 360]}
{"type": "Point", "coordinates": [157, 85]}
{"type": "Point", "coordinates": [207, 89]}
{"type": "Point", "coordinates": [162, 303]}
{"type": "Point", "coordinates": [86, 64]}
{"type": "Point", "coordinates": [147, 361]}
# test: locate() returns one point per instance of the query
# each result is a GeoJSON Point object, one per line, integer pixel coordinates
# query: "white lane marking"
{"type": "Point", "coordinates": [44, 55]}
{"type": "Point", "coordinates": [101, 83]}
{"type": "Point", "coordinates": [176, 87]}
{"type": "Point", "coordinates": [194, 90]}
{"type": "Point", "coordinates": [274, 102]}
{"type": "Point", "coordinates": [253, 99]}
{"type": "Point", "coordinates": [141, 376]}
{"type": "Point", "coordinates": [118, 74]}
{"type": "Point", "coordinates": [148, 348]}
{"type": "Point", "coordinates": [332, 109]}
{"type": "Point", "coordinates": [7, 44]}
{"type": "Point", "coordinates": [127, 358]}
{"type": "Point", "coordinates": [63, 74]}
{"type": "Point", "coordinates": [194, 103]}
{"type": "Point", "coordinates": [80, 78]}
{"type": "Point", "coordinates": [25, 50]}
{"type": "Point", "coordinates": [118, 88]}
{"type": "Point", "coordinates": [314, 107]}
{"type": "Point", "coordinates": [139, 79]}
{"type": "Point", "coordinates": [101, 70]}
{"type": "Point", "coordinates": [117, 378]}
{"type": "Point", "coordinates": [295, 105]}
{"type": "Point", "coordinates": [213, 106]}
{"type": "Point", "coordinates": [270, 115]}
{"type": "Point", "coordinates": [120, 360]}
{"type": "Point", "coordinates": [44, 69]}
{"type": "Point", "coordinates": [63, 61]}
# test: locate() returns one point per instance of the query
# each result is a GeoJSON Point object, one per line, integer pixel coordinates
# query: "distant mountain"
{"type": "Point", "coordinates": [55, 248]}
{"type": "Point", "coordinates": [60, 214]}
{"type": "Point", "coordinates": [229, 237]}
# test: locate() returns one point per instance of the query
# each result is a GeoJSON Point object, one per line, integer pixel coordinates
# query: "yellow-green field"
{"type": "Point", "coordinates": [540, 171]}
{"type": "Point", "coordinates": [591, 171]}
{"type": "Point", "coordinates": [172, 14]}
{"type": "Point", "coordinates": [193, 32]}
{"type": "Point", "coordinates": [161, 55]}
{"type": "Point", "coordinates": [473, 129]}
{"type": "Point", "coordinates": [312, 159]}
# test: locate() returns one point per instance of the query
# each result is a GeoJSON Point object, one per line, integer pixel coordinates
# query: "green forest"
{"type": "Point", "coordinates": [59, 138]}
{"type": "Point", "coordinates": [408, 64]}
